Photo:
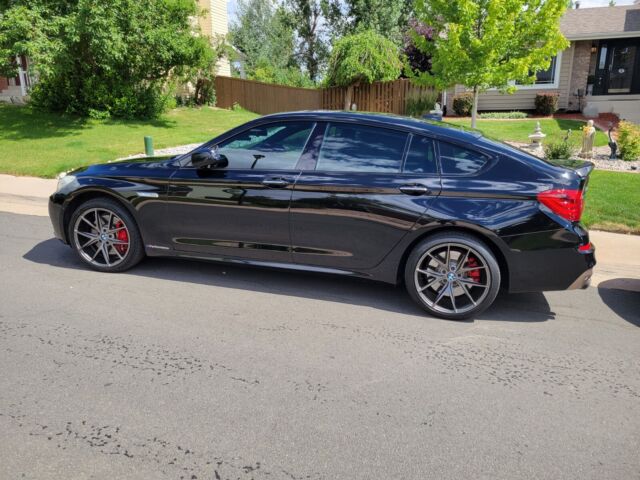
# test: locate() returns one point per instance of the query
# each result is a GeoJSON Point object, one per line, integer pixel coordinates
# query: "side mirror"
{"type": "Point", "coordinates": [209, 159]}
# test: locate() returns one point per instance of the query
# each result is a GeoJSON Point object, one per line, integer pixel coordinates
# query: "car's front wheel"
{"type": "Point", "coordinates": [105, 236]}
{"type": "Point", "coordinates": [452, 275]}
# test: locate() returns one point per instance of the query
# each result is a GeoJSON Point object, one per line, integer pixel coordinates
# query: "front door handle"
{"type": "Point", "coordinates": [415, 189]}
{"type": "Point", "coordinates": [275, 182]}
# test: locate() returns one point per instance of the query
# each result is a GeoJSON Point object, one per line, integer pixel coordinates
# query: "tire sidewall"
{"type": "Point", "coordinates": [136, 249]}
{"type": "Point", "coordinates": [464, 239]}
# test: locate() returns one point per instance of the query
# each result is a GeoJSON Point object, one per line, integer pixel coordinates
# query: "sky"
{"type": "Point", "coordinates": [231, 5]}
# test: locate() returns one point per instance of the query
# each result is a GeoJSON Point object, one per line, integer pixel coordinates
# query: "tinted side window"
{"type": "Point", "coordinates": [421, 157]}
{"type": "Point", "coordinates": [359, 148]}
{"type": "Point", "coordinates": [275, 146]}
{"type": "Point", "coordinates": [456, 160]}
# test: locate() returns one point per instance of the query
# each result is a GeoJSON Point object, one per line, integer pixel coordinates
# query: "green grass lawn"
{"type": "Point", "coordinates": [43, 144]}
{"type": "Point", "coordinates": [519, 130]}
{"type": "Point", "coordinates": [613, 202]}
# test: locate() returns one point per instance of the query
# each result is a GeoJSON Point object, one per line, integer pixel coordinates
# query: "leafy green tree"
{"type": "Point", "coordinates": [264, 35]}
{"type": "Point", "coordinates": [363, 57]}
{"type": "Point", "coordinates": [307, 22]}
{"type": "Point", "coordinates": [110, 57]}
{"type": "Point", "coordinates": [387, 17]}
{"type": "Point", "coordinates": [486, 44]}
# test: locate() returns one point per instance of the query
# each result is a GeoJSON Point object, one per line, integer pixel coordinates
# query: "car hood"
{"type": "Point", "coordinates": [125, 165]}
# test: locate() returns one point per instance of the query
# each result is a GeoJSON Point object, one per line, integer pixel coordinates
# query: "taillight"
{"type": "Point", "coordinates": [566, 203]}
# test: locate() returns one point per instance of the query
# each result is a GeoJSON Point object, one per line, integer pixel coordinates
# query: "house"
{"type": "Point", "coordinates": [213, 24]}
{"type": "Point", "coordinates": [598, 73]}
{"type": "Point", "coordinates": [15, 89]}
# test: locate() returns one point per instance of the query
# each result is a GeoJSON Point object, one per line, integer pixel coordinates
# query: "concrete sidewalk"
{"type": "Point", "coordinates": [618, 255]}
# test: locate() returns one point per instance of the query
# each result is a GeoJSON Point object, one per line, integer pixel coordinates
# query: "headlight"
{"type": "Point", "coordinates": [64, 180]}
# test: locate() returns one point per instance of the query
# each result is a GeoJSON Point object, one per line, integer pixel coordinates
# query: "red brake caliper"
{"type": "Point", "coordinates": [473, 274]}
{"type": "Point", "coordinates": [123, 236]}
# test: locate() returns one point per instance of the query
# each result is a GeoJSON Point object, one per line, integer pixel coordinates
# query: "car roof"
{"type": "Point", "coordinates": [382, 119]}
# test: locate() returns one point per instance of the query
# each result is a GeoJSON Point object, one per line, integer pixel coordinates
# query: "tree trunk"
{"type": "Point", "coordinates": [347, 98]}
{"type": "Point", "coordinates": [474, 110]}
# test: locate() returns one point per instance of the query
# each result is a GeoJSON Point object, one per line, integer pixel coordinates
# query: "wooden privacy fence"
{"type": "Point", "coordinates": [387, 97]}
{"type": "Point", "coordinates": [264, 98]}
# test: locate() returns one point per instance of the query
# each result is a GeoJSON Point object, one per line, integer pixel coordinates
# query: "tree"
{"type": "Point", "coordinates": [386, 17]}
{"type": "Point", "coordinates": [417, 60]}
{"type": "Point", "coordinates": [486, 44]}
{"type": "Point", "coordinates": [108, 58]}
{"type": "Point", "coordinates": [264, 35]}
{"type": "Point", "coordinates": [306, 20]}
{"type": "Point", "coordinates": [362, 57]}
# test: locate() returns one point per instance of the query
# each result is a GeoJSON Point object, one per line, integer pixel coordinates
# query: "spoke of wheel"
{"type": "Point", "coordinates": [85, 234]}
{"type": "Point", "coordinates": [430, 272]}
{"type": "Point", "coordinates": [472, 283]}
{"type": "Point", "coordinates": [90, 242]}
{"type": "Point", "coordinates": [95, 254]}
{"type": "Point", "coordinates": [84, 219]}
{"type": "Point", "coordinates": [453, 298]}
{"type": "Point", "coordinates": [466, 290]}
{"type": "Point", "coordinates": [441, 294]}
{"type": "Point", "coordinates": [448, 258]}
{"type": "Point", "coordinates": [117, 253]}
{"type": "Point", "coordinates": [442, 265]}
{"type": "Point", "coordinates": [105, 254]}
{"type": "Point", "coordinates": [109, 222]}
{"type": "Point", "coordinates": [98, 219]}
{"type": "Point", "coordinates": [464, 260]}
{"type": "Point", "coordinates": [114, 241]}
{"type": "Point", "coordinates": [422, 289]}
{"type": "Point", "coordinates": [116, 230]}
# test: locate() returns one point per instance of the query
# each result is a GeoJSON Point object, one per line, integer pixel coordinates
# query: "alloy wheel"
{"type": "Point", "coordinates": [452, 278]}
{"type": "Point", "coordinates": [101, 237]}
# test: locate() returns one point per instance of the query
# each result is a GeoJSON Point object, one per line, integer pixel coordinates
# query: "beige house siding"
{"type": "Point", "coordinates": [213, 24]}
{"type": "Point", "coordinates": [523, 98]}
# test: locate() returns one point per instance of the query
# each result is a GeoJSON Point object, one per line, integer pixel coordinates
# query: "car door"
{"type": "Point", "coordinates": [241, 210]}
{"type": "Point", "coordinates": [367, 188]}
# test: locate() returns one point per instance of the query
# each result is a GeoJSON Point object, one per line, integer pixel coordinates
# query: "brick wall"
{"type": "Point", "coordinates": [4, 83]}
{"type": "Point", "coordinates": [579, 71]}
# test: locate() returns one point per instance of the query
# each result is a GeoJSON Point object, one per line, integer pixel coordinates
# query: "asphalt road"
{"type": "Point", "coordinates": [205, 371]}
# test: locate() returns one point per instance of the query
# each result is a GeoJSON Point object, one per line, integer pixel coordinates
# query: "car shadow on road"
{"type": "Point", "coordinates": [531, 307]}
{"type": "Point", "coordinates": [622, 295]}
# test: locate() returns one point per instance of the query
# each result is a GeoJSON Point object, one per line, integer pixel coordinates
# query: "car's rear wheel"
{"type": "Point", "coordinates": [452, 275]}
{"type": "Point", "coordinates": [105, 236]}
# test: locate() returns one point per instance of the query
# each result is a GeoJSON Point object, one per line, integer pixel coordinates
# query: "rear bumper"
{"type": "Point", "coordinates": [556, 264]}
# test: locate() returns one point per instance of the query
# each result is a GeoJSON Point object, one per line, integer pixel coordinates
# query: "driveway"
{"type": "Point", "coordinates": [184, 370]}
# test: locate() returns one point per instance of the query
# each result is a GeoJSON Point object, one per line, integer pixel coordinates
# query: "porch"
{"type": "Point", "coordinates": [16, 89]}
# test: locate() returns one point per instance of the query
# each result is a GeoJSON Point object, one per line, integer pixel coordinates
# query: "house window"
{"type": "Point", "coordinates": [546, 77]}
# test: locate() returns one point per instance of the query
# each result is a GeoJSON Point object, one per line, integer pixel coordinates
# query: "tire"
{"type": "Point", "coordinates": [105, 236]}
{"type": "Point", "coordinates": [465, 288]}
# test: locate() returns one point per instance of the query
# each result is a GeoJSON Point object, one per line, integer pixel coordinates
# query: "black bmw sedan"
{"type": "Point", "coordinates": [452, 215]}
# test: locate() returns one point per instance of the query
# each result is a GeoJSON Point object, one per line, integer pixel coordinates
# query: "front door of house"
{"type": "Point", "coordinates": [618, 68]}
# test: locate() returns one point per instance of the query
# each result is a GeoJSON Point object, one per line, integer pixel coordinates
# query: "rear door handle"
{"type": "Point", "coordinates": [275, 182]}
{"type": "Point", "coordinates": [415, 189]}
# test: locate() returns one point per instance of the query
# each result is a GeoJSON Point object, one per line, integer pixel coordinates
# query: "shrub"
{"type": "Point", "coordinates": [546, 103]}
{"type": "Point", "coordinates": [463, 104]}
{"type": "Point", "coordinates": [629, 140]}
{"type": "Point", "coordinates": [558, 150]}
{"type": "Point", "coordinates": [418, 104]}
{"type": "Point", "coordinates": [505, 115]}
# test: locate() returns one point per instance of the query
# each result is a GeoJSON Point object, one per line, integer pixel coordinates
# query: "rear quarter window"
{"type": "Point", "coordinates": [456, 160]}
